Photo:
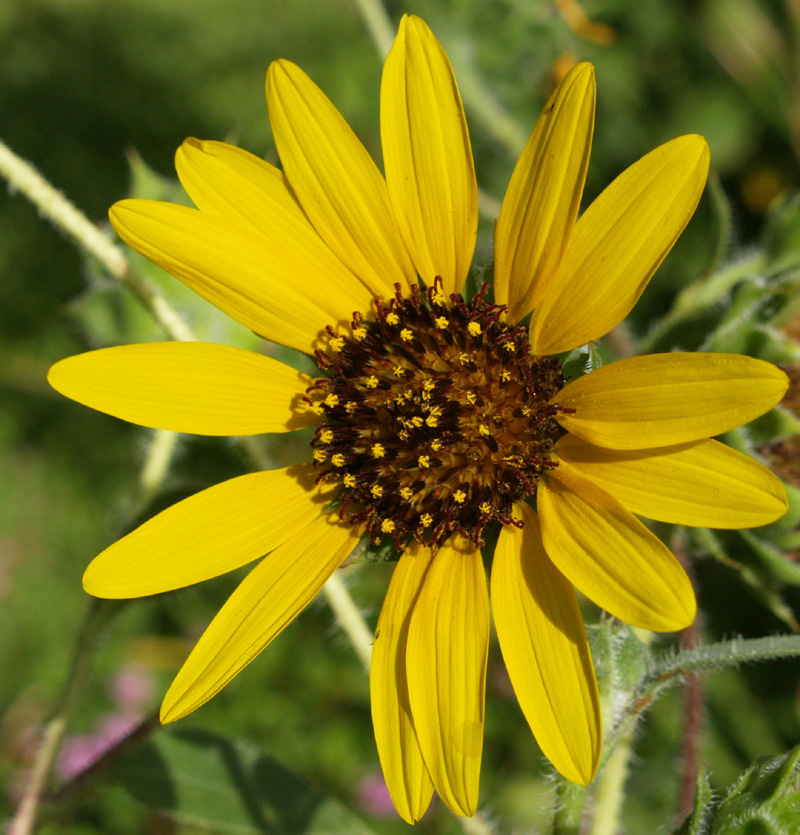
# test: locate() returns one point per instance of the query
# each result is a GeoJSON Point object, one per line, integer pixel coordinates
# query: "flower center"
{"type": "Point", "coordinates": [436, 417]}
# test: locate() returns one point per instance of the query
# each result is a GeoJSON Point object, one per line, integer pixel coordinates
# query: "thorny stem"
{"type": "Point", "coordinates": [25, 819]}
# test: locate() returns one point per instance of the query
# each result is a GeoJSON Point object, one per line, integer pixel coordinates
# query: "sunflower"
{"type": "Point", "coordinates": [437, 418]}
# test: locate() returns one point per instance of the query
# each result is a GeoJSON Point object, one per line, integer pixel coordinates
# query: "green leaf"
{"type": "Point", "coordinates": [697, 821]}
{"type": "Point", "coordinates": [764, 801]}
{"type": "Point", "coordinates": [197, 778]}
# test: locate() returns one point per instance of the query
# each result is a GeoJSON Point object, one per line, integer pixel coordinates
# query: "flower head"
{"type": "Point", "coordinates": [436, 416]}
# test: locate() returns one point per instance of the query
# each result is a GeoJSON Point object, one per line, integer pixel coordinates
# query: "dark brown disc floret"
{"type": "Point", "coordinates": [436, 417]}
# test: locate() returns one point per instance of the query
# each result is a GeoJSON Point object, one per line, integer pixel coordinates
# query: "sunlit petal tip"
{"type": "Point", "coordinates": [702, 484]}
{"type": "Point", "coordinates": [336, 181]}
{"type": "Point", "coordinates": [404, 769]}
{"type": "Point", "coordinates": [543, 640]}
{"type": "Point", "coordinates": [427, 156]}
{"type": "Point", "coordinates": [618, 244]}
{"type": "Point", "coordinates": [268, 599]}
{"type": "Point", "coordinates": [607, 553]}
{"type": "Point", "coordinates": [208, 534]}
{"type": "Point", "coordinates": [660, 400]}
{"type": "Point", "coordinates": [446, 671]}
{"type": "Point", "coordinates": [544, 195]}
{"type": "Point", "coordinates": [193, 387]}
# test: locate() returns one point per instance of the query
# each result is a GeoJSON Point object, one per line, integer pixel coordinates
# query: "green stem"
{"type": "Point", "coordinates": [571, 801]}
{"type": "Point", "coordinates": [609, 792]}
{"type": "Point", "coordinates": [25, 819]}
{"type": "Point", "coordinates": [378, 23]}
{"type": "Point", "coordinates": [349, 618]}
{"type": "Point", "coordinates": [698, 297]}
{"type": "Point", "coordinates": [51, 204]}
{"type": "Point", "coordinates": [671, 669]}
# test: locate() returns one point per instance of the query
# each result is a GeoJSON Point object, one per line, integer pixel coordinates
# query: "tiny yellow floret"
{"type": "Point", "coordinates": [474, 329]}
{"type": "Point", "coordinates": [426, 520]}
{"type": "Point", "coordinates": [377, 450]}
{"type": "Point", "coordinates": [376, 490]}
{"type": "Point", "coordinates": [442, 322]}
{"type": "Point", "coordinates": [424, 461]}
{"type": "Point", "coordinates": [459, 496]}
{"type": "Point", "coordinates": [392, 318]}
{"type": "Point", "coordinates": [406, 335]}
{"type": "Point", "coordinates": [338, 460]}
{"type": "Point", "coordinates": [406, 493]}
{"type": "Point", "coordinates": [387, 526]}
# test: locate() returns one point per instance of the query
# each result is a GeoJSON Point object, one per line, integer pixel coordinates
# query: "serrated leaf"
{"type": "Point", "coordinates": [231, 788]}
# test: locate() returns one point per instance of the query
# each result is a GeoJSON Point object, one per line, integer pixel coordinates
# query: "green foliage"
{"type": "Point", "coordinates": [764, 801]}
{"type": "Point", "coordinates": [219, 786]}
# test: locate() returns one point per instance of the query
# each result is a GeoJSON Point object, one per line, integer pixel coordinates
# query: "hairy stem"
{"type": "Point", "coordinates": [52, 204]}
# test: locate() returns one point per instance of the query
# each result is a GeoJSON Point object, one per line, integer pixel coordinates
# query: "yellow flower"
{"type": "Point", "coordinates": [326, 257]}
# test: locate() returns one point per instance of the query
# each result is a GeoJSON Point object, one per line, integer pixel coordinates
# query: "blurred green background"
{"type": "Point", "coordinates": [98, 94]}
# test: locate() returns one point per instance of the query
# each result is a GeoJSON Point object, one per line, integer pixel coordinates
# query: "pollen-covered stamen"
{"type": "Point", "coordinates": [436, 418]}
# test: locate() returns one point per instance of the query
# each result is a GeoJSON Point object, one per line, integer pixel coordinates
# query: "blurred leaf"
{"type": "Point", "coordinates": [197, 778]}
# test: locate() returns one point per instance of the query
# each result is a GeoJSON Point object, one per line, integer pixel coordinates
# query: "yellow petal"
{"type": "Point", "coordinates": [605, 551]}
{"type": "Point", "coordinates": [541, 633]}
{"type": "Point", "coordinates": [427, 156]}
{"type": "Point", "coordinates": [336, 181]}
{"type": "Point", "coordinates": [544, 195]}
{"type": "Point", "coordinates": [208, 534]}
{"type": "Point", "coordinates": [668, 399]}
{"type": "Point", "coordinates": [226, 181]}
{"type": "Point", "coordinates": [406, 776]}
{"type": "Point", "coordinates": [235, 269]}
{"type": "Point", "coordinates": [448, 641]}
{"type": "Point", "coordinates": [618, 244]}
{"type": "Point", "coordinates": [264, 603]}
{"type": "Point", "coordinates": [191, 387]}
{"type": "Point", "coordinates": [705, 484]}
